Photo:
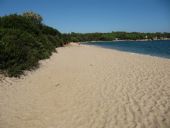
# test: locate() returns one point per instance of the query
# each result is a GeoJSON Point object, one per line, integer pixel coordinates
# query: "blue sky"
{"type": "Point", "coordinates": [96, 15]}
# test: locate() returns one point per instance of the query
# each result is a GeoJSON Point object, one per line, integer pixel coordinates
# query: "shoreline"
{"type": "Point", "coordinates": [154, 54]}
{"type": "Point", "coordinates": [130, 52]}
{"type": "Point", "coordinates": [88, 86]}
{"type": "Point", "coordinates": [125, 40]}
{"type": "Point", "coordinates": [72, 44]}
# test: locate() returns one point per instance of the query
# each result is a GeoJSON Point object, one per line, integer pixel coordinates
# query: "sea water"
{"type": "Point", "coordinates": [160, 48]}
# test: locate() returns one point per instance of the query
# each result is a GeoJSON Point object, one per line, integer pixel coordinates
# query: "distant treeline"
{"type": "Point", "coordinates": [80, 37]}
{"type": "Point", "coordinates": [24, 40]}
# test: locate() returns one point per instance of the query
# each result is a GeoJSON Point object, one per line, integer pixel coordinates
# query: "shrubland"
{"type": "Point", "coordinates": [24, 40]}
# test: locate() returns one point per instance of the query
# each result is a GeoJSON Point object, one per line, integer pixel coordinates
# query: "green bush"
{"type": "Point", "coordinates": [23, 42]}
{"type": "Point", "coordinates": [17, 53]}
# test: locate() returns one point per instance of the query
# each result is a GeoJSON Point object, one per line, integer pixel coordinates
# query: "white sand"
{"type": "Point", "coordinates": [89, 87]}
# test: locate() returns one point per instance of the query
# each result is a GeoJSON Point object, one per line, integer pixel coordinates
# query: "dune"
{"type": "Point", "coordinates": [89, 87]}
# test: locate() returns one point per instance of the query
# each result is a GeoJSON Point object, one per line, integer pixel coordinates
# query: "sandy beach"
{"type": "Point", "coordinates": [89, 87]}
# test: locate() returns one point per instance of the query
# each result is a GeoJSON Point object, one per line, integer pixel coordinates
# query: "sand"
{"type": "Point", "coordinates": [89, 87]}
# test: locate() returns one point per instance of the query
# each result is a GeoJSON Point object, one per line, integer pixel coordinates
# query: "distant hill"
{"type": "Point", "coordinates": [24, 40]}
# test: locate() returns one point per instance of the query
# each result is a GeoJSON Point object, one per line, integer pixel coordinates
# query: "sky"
{"type": "Point", "coordinates": [86, 16]}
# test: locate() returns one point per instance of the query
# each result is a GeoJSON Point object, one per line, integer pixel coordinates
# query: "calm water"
{"type": "Point", "coordinates": [153, 48]}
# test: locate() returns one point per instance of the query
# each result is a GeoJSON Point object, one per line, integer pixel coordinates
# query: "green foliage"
{"type": "Point", "coordinates": [36, 18]}
{"type": "Point", "coordinates": [49, 30]}
{"type": "Point", "coordinates": [24, 40]}
{"type": "Point", "coordinates": [16, 52]}
{"type": "Point", "coordinates": [15, 21]}
{"type": "Point", "coordinates": [79, 37]}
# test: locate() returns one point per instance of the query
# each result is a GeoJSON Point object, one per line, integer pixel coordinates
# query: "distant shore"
{"type": "Point", "coordinates": [125, 40]}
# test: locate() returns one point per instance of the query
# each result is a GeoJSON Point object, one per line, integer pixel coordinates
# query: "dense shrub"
{"type": "Point", "coordinates": [19, 22]}
{"type": "Point", "coordinates": [24, 41]}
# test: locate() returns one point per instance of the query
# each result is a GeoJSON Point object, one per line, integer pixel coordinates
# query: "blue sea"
{"type": "Point", "coordinates": [160, 48]}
